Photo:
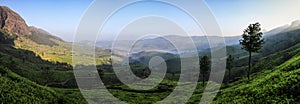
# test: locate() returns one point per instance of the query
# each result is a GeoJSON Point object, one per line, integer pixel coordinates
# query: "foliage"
{"type": "Point", "coordinates": [280, 85]}
{"type": "Point", "coordinates": [252, 41]}
{"type": "Point", "coordinates": [252, 38]}
{"type": "Point", "coordinates": [229, 64]}
{"type": "Point", "coordinates": [24, 70]}
{"type": "Point", "coordinates": [15, 89]}
{"type": "Point", "coordinates": [204, 67]}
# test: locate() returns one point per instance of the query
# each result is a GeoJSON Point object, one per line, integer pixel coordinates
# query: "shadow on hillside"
{"type": "Point", "coordinates": [30, 65]}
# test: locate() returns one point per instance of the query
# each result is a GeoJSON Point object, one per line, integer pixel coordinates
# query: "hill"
{"type": "Point", "coordinates": [42, 43]}
{"type": "Point", "coordinates": [278, 85]}
{"type": "Point", "coordinates": [16, 89]}
{"type": "Point", "coordinates": [275, 79]}
{"type": "Point", "coordinates": [25, 71]}
{"type": "Point", "coordinates": [12, 22]}
{"type": "Point", "coordinates": [35, 68]}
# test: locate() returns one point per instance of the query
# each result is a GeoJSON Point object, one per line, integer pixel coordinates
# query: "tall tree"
{"type": "Point", "coordinates": [252, 41]}
{"type": "Point", "coordinates": [229, 65]}
{"type": "Point", "coordinates": [204, 67]}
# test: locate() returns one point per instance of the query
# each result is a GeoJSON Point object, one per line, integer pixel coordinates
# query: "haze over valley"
{"type": "Point", "coordinates": [254, 65]}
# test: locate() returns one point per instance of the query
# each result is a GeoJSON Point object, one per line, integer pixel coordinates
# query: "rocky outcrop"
{"type": "Point", "coordinates": [13, 23]}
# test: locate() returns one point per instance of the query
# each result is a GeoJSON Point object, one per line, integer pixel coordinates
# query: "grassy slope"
{"type": "Point", "coordinates": [264, 86]}
{"type": "Point", "coordinates": [29, 59]}
{"type": "Point", "coordinates": [59, 53]}
{"type": "Point", "coordinates": [15, 89]}
{"type": "Point", "coordinates": [276, 80]}
{"type": "Point", "coordinates": [278, 85]}
{"type": "Point", "coordinates": [33, 67]}
{"type": "Point", "coordinates": [62, 52]}
{"type": "Point", "coordinates": [265, 63]}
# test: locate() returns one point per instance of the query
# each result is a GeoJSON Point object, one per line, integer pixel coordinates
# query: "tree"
{"type": "Point", "coordinates": [252, 42]}
{"type": "Point", "coordinates": [229, 65]}
{"type": "Point", "coordinates": [204, 67]}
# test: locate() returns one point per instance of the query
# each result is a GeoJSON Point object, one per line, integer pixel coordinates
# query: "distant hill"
{"type": "Point", "coordinates": [41, 36]}
{"type": "Point", "coordinates": [295, 25]}
{"type": "Point", "coordinates": [275, 40]}
{"type": "Point", "coordinates": [287, 35]}
{"type": "Point", "coordinates": [275, 31]}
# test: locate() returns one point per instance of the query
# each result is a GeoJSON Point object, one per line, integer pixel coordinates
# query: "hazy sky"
{"type": "Point", "coordinates": [61, 17]}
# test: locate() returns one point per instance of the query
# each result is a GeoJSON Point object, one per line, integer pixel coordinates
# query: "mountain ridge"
{"type": "Point", "coordinates": [12, 22]}
{"type": "Point", "coordinates": [17, 33]}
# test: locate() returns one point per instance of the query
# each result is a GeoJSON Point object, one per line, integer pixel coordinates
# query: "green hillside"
{"type": "Point", "coordinates": [279, 85]}
{"type": "Point", "coordinates": [29, 65]}
{"type": "Point", "coordinates": [275, 79]}
{"type": "Point", "coordinates": [276, 74]}
{"type": "Point", "coordinates": [36, 67]}
{"type": "Point", "coordinates": [16, 89]}
{"type": "Point", "coordinates": [263, 63]}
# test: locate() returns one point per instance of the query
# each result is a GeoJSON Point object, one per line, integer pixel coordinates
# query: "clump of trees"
{"type": "Point", "coordinates": [252, 41]}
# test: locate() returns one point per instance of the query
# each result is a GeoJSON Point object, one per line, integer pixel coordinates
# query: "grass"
{"type": "Point", "coordinates": [279, 85]}
{"type": "Point", "coordinates": [275, 78]}
{"type": "Point", "coordinates": [15, 89]}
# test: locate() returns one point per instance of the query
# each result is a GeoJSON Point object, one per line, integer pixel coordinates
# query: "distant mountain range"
{"type": "Point", "coordinates": [201, 42]}
{"type": "Point", "coordinates": [293, 26]}
{"type": "Point", "coordinates": [160, 43]}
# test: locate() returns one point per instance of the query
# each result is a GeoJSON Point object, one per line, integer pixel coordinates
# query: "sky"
{"type": "Point", "coordinates": [62, 17]}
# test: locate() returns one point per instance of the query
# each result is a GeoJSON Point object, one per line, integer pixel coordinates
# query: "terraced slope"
{"type": "Point", "coordinates": [278, 85]}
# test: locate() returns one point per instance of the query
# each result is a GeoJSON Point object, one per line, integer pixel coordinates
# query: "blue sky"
{"type": "Point", "coordinates": [61, 17]}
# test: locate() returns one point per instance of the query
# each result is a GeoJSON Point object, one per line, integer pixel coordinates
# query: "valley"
{"type": "Point", "coordinates": [37, 67]}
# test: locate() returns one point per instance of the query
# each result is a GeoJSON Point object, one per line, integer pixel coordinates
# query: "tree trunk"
{"type": "Point", "coordinates": [229, 74]}
{"type": "Point", "coordinates": [203, 79]}
{"type": "Point", "coordinates": [249, 67]}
